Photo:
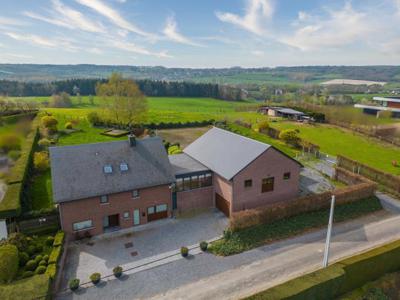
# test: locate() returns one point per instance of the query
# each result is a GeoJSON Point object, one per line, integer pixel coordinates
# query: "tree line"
{"type": "Point", "coordinates": [86, 87]}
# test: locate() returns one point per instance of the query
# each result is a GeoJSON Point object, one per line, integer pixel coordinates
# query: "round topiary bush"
{"type": "Point", "coordinates": [40, 270]}
{"type": "Point", "coordinates": [68, 125]}
{"type": "Point", "coordinates": [31, 250]}
{"type": "Point", "coordinates": [43, 263]}
{"type": "Point", "coordinates": [23, 258]}
{"type": "Point", "coordinates": [31, 265]}
{"type": "Point", "coordinates": [49, 241]}
{"type": "Point", "coordinates": [38, 248]}
{"type": "Point", "coordinates": [38, 258]}
{"type": "Point", "coordinates": [9, 261]}
{"type": "Point", "coordinates": [184, 251]}
{"type": "Point", "coordinates": [203, 246]}
{"type": "Point", "coordinates": [27, 274]}
{"type": "Point", "coordinates": [117, 271]}
{"type": "Point", "coordinates": [74, 284]}
{"type": "Point", "coordinates": [95, 278]}
{"type": "Point", "coordinates": [46, 258]}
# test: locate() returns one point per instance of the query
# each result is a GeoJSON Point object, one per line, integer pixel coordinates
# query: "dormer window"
{"type": "Point", "coordinates": [108, 169]}
{"type": "Point", "coordinates": [123, 167]}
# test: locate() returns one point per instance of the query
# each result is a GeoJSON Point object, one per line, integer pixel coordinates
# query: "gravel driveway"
{"type": "Point", "coordinates": [103, 254]}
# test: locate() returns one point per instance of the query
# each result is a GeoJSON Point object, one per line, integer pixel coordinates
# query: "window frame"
{"type": "Point", "coordinates": [83, 228]}
{"type": "Point", "coordinates": [137, 194]}
{"type": "Point", "coordinates": [126, 217]}
{"type": "Point", "coordinates": [106, 168]}
{"type": "Point", "coordinates": [267, 184]}
{"type": "Point", "coordinates": [286, 175]}
{"type": "Point", "coordinates": [104, 202]}
{"type": "Point", "coordinates": [248, 183]}
{"type": "Point", "coordinates": [123, 167]}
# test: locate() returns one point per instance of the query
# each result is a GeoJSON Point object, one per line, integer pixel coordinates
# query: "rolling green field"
{"type": "Point", "coordinates": [333, 140]}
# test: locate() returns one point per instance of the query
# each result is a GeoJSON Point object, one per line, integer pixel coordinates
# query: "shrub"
{"type": "Point", "coordinates": [55, 255]}
{"type": "Point", "coordinates": [74, 284]}
{"type": "Point", "coordinates": [38, 258]}
{"type": "Point", "coordinates": [51, 271]}
{"type": "Point", "coordinates": [49, 122]}
{"type": "Point", "coordinates": [39, 247]}
{"type": "Point", "coordinates": [40, 270]}
{"type": "Point", "coordinates": [59, 238]}
{"type": "Point", "coordinates": [95, 278]}
{"type": "Point", "coordinates": [46, 258]}
{"type": "Point", "coordinates": [31, 265]}
{"type": "Point", "coordinates": [68, 125]}
{"type": "Point", "coordinates": [14, 154]}
{"type": "Point", "coordinates": [10, 142]}
{"type": "Point", "coordinates": [19, 240]}
{"type": "Point", "coordinates": [184, 251]}
{"type": "Point", "coordinates": [44, 143]}
{"type": "Point", "coordinates": [117, 271]}
{"type": "Point", "coordinates": [41, 161]}
{"type": "Point", "coordinates": [8, 263]}
{"type": "Point", "coordinates": [62, 100]}
{"type": "Point", "coordinates": [23, 258]}
{"type": "Point", "coordinates": [42, 263]}
{"type": "Point", "coordinates": [290, 136]}
{"type": "Point", "coordinates": [49, 241]}
{"type": "Point", "coordinates": [203, 246]}
{"type": "Point", "coordinates": [93, 118]}
{"type": "Point", "coordinates": [31, 250]}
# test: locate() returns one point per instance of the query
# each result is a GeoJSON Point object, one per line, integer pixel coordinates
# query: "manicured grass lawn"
{"type": "Point", "coordinates": [40, 191]}
{"type": "Point", "coordinates": [262, 234]}
{"type": "Point", "coordinates": [334, 141]}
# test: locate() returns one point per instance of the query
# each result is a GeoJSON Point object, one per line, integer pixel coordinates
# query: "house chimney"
{"type": "Point", "coordinates": [132, 140]}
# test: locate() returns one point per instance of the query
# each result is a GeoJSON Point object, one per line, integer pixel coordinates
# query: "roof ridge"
{"type": "Point", "coordinates": [242, 136]}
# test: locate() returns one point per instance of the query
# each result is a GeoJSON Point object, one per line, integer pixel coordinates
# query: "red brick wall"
{"type": "Point", "coordinates": [195, 199]}
{"type": "Point", "coordinates": [91, 209]}
{"type": "Point", "coordinates": [222, 187]}
{"type": "Point", "coordinates": [393, 104]}
{"type": "Point", "coordinates": [271, 163]}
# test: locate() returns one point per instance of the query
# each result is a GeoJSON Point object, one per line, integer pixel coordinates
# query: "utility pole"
{"type": "Point", "coordinates": [329, 233]}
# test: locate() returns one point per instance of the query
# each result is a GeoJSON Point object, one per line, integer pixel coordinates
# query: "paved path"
{"type": "Point", "coordinates": [205, 276]}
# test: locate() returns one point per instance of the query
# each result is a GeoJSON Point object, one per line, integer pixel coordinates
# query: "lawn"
{"type": "Point", "coordinates": [40, 191]}
{"type": "Point", "coordinates": [333, 140]}
{"type": "Point", "coordinates": [257, 236]}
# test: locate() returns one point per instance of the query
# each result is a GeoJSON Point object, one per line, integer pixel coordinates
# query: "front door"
{"type": "Point", "coordinates": [136, 217]}
{"type": "Point", "coordinates": [113, 220]}
{"type": "Point", "coordinates": [157, 212]}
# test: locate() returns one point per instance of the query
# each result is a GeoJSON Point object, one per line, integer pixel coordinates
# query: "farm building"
{"type": "Point", "coordinates": [391, 104]}
{"type": "Point", "coordinates": [107, 186]}
{"type": "Point", "coordinates": [283, 112]}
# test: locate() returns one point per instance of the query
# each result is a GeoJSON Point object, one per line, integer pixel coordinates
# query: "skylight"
{"type": "Point", "coordinates": [108, 169]}
{"type": "Point", "coordinates": [123, 167]}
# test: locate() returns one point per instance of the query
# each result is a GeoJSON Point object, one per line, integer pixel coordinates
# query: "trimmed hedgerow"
{"type": "Point", "coordinates": [51, 271]}
{"type": "Point", "coordinates": [9, 262]}
{"type": "Point", "coordinates": [59, 239]}
{"type": "Point", "coordinates": [10, 206]}
{"type": "Point", "coordinates": [55, 255]}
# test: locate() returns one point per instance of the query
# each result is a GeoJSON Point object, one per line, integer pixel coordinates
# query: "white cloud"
{"type": "Point", "coordinates": [342, 27]}
{"type": "Point", "coordinates": [94, 51]}
{"type": "Point", "coordinates": [255, 12]}
{"type": "Point", "coordinates": [131, 47]}
{"type": "Point", "coordinates": [113, 16]}
{"type": "Point", "coordinates": [258, 53]}
{"type": "Point", "coordinates": [65, 16]}
{"type": "Point", "coordinates": [172, 33]}
{"type": "Point", "coordinates": [10, 22]}
{"type": "Point", "coordinates": [32, 39]}
{"type": "Point", "coordinates": [303, 16]}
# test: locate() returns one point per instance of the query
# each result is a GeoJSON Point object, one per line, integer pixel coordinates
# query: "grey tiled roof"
{"type": "Point", "coordinates": [224, 152]}
{"type": "Point", "coordinates": [184, 164]}
{"type": "Point", "coordinates": [77, 171]}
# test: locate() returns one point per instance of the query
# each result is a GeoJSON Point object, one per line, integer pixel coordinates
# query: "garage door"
{"type": "Point", "coordinates": [157, 212]}
{"type": "Point", "coordinates": [222, 204]}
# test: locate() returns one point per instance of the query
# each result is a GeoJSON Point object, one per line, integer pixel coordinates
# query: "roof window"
{"type": "Point", "coordinates": [108, 169]}
{"type": "Point", "coordinates": [123, 167]}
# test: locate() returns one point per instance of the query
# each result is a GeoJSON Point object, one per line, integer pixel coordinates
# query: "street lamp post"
{"type": "Point", "coordinates": [329, 233]}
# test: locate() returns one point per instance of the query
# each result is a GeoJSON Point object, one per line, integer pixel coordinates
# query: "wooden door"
{"type": "Point", "coordinates": [222, 204]}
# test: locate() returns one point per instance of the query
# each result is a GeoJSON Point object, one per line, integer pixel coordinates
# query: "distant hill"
{"type": "Point", "coordinates": [236, 75]}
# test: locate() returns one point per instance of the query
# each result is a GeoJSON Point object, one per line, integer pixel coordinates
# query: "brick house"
{"type": "Point", "coordinates": [107, 186]}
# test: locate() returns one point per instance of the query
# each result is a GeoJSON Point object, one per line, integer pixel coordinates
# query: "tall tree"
{"type": "Point", "coordinates": [123, 100]}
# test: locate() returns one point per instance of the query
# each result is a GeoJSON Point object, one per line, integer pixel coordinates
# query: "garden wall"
{"type": "Point", "coordinates": [339, 278]}
{"type": "Point", "coordinates": [389, 181]}
{"type": "Point", "coordinates": [361, 188]}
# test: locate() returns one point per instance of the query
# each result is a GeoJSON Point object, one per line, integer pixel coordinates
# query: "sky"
{"type": "Point", "coordinates": [200, 34]}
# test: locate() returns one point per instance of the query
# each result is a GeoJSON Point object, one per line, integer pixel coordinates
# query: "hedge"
{"type": "Point", "coordinates": [10, 206]}
{"type": "Point", "coordinates": [59, 239]}
{"type": "Point", "coordinates": [51, 271]}
{"type": "Point", "coordinates": [35, 287]}
{"type": "Point", "coordinates": [339, 278]}
{"type": "Point", "coordinates": [9, 263]}
{"type": "Point", "coordinates": [55, 255]}
{"type": "Point", "coordinates": [12, 119]}
{"type": "Point", "coordinates": [41, 230]}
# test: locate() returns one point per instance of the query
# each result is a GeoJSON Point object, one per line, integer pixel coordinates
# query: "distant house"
{"type": "Point", "coordinates": [107, 186]}
{"type": "Point", "coordinates": [391, 104]}
{"type": "Point", "coordinates": [282, 112]}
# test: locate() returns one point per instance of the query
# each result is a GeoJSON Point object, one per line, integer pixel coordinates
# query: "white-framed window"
{"type": "Point", "coordinates": [82, 225]}
{"type": "Point", "coordinates": [126, 215]}
{"type": "Point", "coordinates": [161, 207]}
{"type": "Point", "coordinates": [135, 194]}
{"type": "Point", "coordinates": [104, 199]}
{"type": "Point", "coordinates": [108, 169]}
{"type": "Point", "coordinates": [123, 167]}
{"type": "Point", "coordinates": [150, 210]}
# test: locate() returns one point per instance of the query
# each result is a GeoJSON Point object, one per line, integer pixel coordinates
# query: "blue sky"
{"type": "Point", "coordinates": [206, 33]}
